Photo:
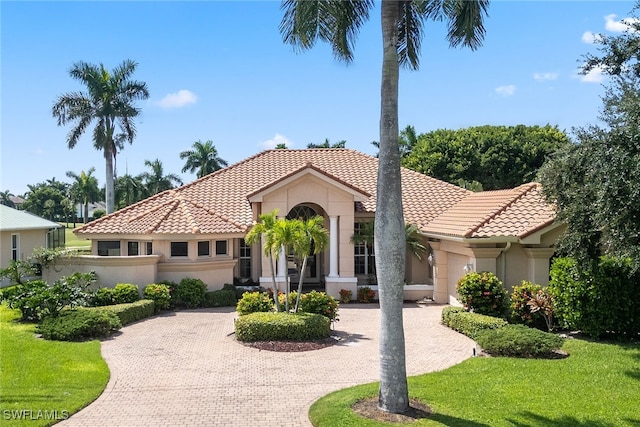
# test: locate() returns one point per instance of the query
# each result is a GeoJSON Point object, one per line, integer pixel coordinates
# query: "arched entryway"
{"type": "Point", "coordinates": [315, 263]}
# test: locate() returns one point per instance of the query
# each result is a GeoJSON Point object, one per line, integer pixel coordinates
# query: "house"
{"type": "Point", "coordinates": [198, 230]}
{"type": "Point", "coordinates": [22, 232]}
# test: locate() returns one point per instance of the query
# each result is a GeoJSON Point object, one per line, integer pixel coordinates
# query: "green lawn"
{"type": "Point", "coordinates": [598, 385]}
{"type": "Point", "coordinates": [71, 241]}
{"type": "Point", "coordinates": [41, 380]}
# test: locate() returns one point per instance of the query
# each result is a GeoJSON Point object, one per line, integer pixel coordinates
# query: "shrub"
{"type": "Point", "coordinates": [191, 293]}
{"type": "Point", "coordinates": [366, 294]}
{"type": "Point", "coordinates": [518, 341]}
{"type": "Point", "coordinates": [597, 299]}
{"type": "Point", "coordinates": [345, 295]}
{"type": "Point", "coordinates": [221, 298]}
{"type": "Point", "coordinates": [319, 303]}
{"type": "Point", "coordinates": [470, 324]}
{"type": "Point", "coordinates": [130, 312]}
{"type": "Point", "coordinates": [124, 293]}
{"type": "Point", "coordinates": [103, 296]}
{"type": "Point", "coordinates": [173, 291]}
{"type": "Point", "coordinates": [293, 295]}
{"type": "Point", "coordinates": [483, 293]}
{"type": "Point", "coordinates": [74, 325]}
{"type": "Point", "coordinates": [253, 302]}
{"type": "Point", "coordinates": [520, 309]}
{"type": "Point", "coordinates": [282, 326]}
{"type": "Point", "coordinates": [159, 294]}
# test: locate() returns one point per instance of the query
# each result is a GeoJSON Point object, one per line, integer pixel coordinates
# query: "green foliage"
{"type": "Point", "coordinates": [75, 325]}
{"type": "Point", "coordinates": [483, 293]}
{"type": "Point", "coordinates": [160, 295]}
{"type": "Point", "coordinates": [48, 257]}
{"type": "Point", "coordinates": [125, 293]}
{"type": "Point", "coordinates": [253, 302]}
{"type": "Point", "coordinates": [282, 299]}
{"type": "Point", "coordinates": [597, 298]}
{"type": "Point", "coordinates": [173, 291]}
{"type": "Point", "coordinates": [520, 309]}
{"type": "Point", "coordinates": [98, 213]}
{"type": "Point", "coordinates": [130, 312]}
{"type": "Point", "coordinates": [319, 303]}
{"type": "Point", "coordinates": [345, 295]}
{"type": "Point", "coordinates": [492, 157]}
{"type": "Point", "coordinates": [191, 293]}
{"type": "Point", "coordinates": [518, 341]}
{"type": "Point", "coordinates": [469, 324]}
{"type": "Point", "coordinates": [17, 271]}
{"type": "Point", "coordinates": [103, 296]}
{"type": "Point", "coordinates": [282, 326]}
{"type": "Point", "coordinates": [46, 199]}
{"type": "Point", "coordinates": [221, 298]}
{"type": "Point", "coordinates": [365, 294]}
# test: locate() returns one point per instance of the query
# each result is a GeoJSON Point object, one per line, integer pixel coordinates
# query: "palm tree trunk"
{"type": "Point", "coordinates": [389, 231]}
{"type": "Point", "coordinates": [275, 283]}
{"type": "Point", "coordinates": [300, 280]}
{"type": "Point", "coordinates": [108, 157]}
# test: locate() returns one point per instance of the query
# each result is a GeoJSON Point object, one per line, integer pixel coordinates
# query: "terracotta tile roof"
{"type": "Point", "coordinates": [515, 212]}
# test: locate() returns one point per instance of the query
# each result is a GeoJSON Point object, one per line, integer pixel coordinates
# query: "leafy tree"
{"type": "Point", "coordinates": [337, 23]}
{"type": "Point", "coordinates": [5, 198]}
{"type": "Point", "coordinates": [406, 141]}
{"type": "Point", "coordinates": [281, 146]}
{"type": "Point", "coordinates": [84, 189]}
{"type": "Point", "coordinates": [109, 102]}
{"type": "Point", "coordinates": [156, 181]}
{"type": "Point", "coordinates": [485, 157]}
{"type": "Point", "coordinates": [45, 199]}
{"type": "Point", "coordinates": [202, 158]}
{"type": "Point", "coordinates": [595, 183]}
{"type": "Point", "coordinates": [129, 190]}
{"type": "Point", "coordinates": [327, 144]}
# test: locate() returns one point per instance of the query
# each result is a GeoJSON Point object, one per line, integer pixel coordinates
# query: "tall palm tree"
{"type": "Point", "coordinates": [311, 238]}
{"type": "Point", "coordinates": [84, 189]}
{"type": "Point", "coordinates": [203, 158]}
{"type": "Point", "coordinates": [109, 102]}
{"type": "Point", "coordinates": [156, 181]}
{"type": "Point", "coordinates": [264, 229]}
{"type": "Point", "coordinates": [337, 22]}
{"type": "Point", "coordinates": [129, 189]}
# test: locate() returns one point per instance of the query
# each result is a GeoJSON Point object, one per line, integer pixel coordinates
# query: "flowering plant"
{"type": "Point", "coordinates": [345, 295]}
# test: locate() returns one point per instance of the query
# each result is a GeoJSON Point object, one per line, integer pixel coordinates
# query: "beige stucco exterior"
{"type": "Point", "coordinates": [28, 240]}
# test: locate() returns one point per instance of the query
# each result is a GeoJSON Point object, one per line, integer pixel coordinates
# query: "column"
{"type": "Point", "coordinates": [282, 263]}
{"type": "Point", "coordinates": [333, 246]}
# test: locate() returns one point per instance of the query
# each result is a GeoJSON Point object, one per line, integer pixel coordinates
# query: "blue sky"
{"type": "Point", "coordinates": [219, 70]}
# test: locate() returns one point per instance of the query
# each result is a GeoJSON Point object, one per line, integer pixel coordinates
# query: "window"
{"type": "Point", "coordinates": [179, 249]}
{"type": "Point", "coordinates": [204, 248]}
{"type": "Point", "coordinates": [133, 248]}
{"type": "Point", "coordinates": [109, 247]}
{"type": "Point", "coordinates": [245, 260]}
{"type": "Point", "coordinates": [221, 247]}
{"type": "Point", "coordinates": [149, 248]}
{"type": "Point", "coordinates": [15, 247]}
{"type": "Point", "coordinates": [364, 258]}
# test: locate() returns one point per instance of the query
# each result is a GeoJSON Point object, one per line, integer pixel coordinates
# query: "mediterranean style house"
{"type": "Point", "coordinates": [198, 230]}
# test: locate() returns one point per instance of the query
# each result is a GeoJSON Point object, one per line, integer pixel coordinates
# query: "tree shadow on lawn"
{"type": "Point", "coordinates": [565, 421]}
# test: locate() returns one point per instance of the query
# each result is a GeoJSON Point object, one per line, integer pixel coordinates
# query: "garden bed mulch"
{"type": "Point", "coordinates": [291, 346]}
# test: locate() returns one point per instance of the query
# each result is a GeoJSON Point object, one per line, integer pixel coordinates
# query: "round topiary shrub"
{"type": "Point", "coordinates": [518, 341]}
{"type": "Point", "coordinates": [520, 307]}
{"type": "Point", "coordinates": [191, 293]}
{"type": "Point", "coordinates": [483, 293]}
{"type": "Point", "coordinates": [282, 327]}
{"type": "Point", "coordinates": [159, 294]}
{"type": "Point", "coordinates": [254, 302]}
{"type": "Point", "coordinates": [75, 325]}
{"type": "Point", "coordinates": [124, 293]}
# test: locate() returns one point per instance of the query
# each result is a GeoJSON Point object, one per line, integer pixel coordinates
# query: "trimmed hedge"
{"type": "Point", "coordinates": [469, 324]}
{"type": "Point", "coordinates": [255, 302]}
{"type": "Point", "coordinates": [81, 324]}
{"type": "Point", "coordinates": [124, 293]}
{"type": "Point", "coordinates": [221, 298]}
{"type": "Point", "coordinates": [129, 313]}
{"type": "Point", "coordinates": [282, 327]}
{"type": "Point", "coordinates": [518, 341]}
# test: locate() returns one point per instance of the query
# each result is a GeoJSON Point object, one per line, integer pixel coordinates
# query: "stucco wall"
{"type": "Point", "coordinates": [28, 241]}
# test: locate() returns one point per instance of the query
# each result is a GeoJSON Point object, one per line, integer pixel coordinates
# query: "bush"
{"type": "Point", "coordinates": [221, 298]}
{"type": "Point", "coordinates": [518, 341]}
{"type": "Point", "coordinates": [483, 293]}
{"type": "Point", "coordinates": [282, 326]}
{"type": "Point", "coordinates": [74, 325]}
{"type": "Point", "coordinates": [293, 295]}
{"type": "Point", "coordinates": [254, 302]}
{"type": "Point", "coordinates": [319, 303]}
{"type": "Point", "coordinates": [103, 296]}
{"type": "Point", "coordinates": [124, 293]}
{"type": "Point", "coordinates": [345, 295]}
{"type": "Point", "coordinates": [130, 312]}
{"type": "Point", "coordinates": [520, 308]}
{"type": "Point", "coordinates": [366, 294]}
{"type": "Point", "coordinates": [597, 299]}
{"type": "Point", "coordinates": [191, 293]}
{"type": "Point", "coordinates": [159, 294]}
{"type": "Point", "coordinates": [469, 324]}
{"type": "Point", "coordinates": [173, 291]}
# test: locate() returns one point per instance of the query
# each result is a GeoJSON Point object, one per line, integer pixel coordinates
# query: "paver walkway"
{"type": "Point", "coordinates": [186, 369]}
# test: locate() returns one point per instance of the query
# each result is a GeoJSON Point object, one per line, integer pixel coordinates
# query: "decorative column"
{"type": "Point", "coordinates": [282, 263]}
{"type": "Point", "coordinates": [333, 246]}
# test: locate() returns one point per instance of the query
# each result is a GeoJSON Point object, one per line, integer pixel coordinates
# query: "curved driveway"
{"type": "Point", "coordinates": [186, 369]}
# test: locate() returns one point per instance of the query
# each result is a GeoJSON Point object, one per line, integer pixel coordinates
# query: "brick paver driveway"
{"type": "Point", "coordinates": [186, 369]}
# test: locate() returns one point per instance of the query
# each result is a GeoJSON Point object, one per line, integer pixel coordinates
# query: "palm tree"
{"type": "Point", "coordinates": [203, 158]}
{"type": "Point", "coordinates": [129, 189]}
{"type": "Point", "coordinates": [109, 101]}
{"type": "Point", "coordinates": [264, 229]}
{"type": "Point", "coordinates": [337, 22]}
{"type": "Point", "coordinates": [311, 238]}
{"type": "Point", "coordinates": [285, 235]}
{"type": "Point", "coordinates": [5, 198]}
{"type": "Point", "coordinates": [84, 189]}
{"type": "Point", "coordinates": [156, 181]}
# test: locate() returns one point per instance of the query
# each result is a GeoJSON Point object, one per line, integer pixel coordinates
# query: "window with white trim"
{"type": "Point", "coordinates": [15, 247]}
{"type": "Point", "coordinates": [245, 260]}
{"type": "Point", "coordinates": [363, 257]}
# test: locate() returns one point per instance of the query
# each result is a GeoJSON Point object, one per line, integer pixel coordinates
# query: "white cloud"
{"type": "Point", "coordinates": [506, 90]}
{"type": "Point", "coordinates": [589, 38]}
{"type": "Point", "coordinates": [545, 76]}
{"type": "Point", "coordinates": [593, 76]}
{"type": "Point", "coordinates": [618, 26]}
{"type": "Point", "coordinates": [275, 141]}
{"type": "Point", "coordinates": [178, 99]}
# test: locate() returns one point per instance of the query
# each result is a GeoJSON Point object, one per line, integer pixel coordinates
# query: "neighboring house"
{"type": "Point", "coordinates": [198, 230]}
{"type": "Point", "coordinates": [22, 232]}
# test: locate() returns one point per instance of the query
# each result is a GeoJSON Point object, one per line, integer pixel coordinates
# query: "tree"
{"type": "Point", "coordinates": [84, 190]}
{"type": "Point", "coordinates": [5, 198]}
{"type": "Point", "coordinates": [406, 141]}
{"type": "Point", "coordinates": [109, 102]}
{"type": "Point", "coordinates": [263, 229]}
{"type": "Point", "coordinates": [327, 144]}
{"type": "Point", "coordinates": [595, 183]}
{"type": "Point", "coordinates": [45, 199]}
{"type": "Point", "coordinates": [156, 181]}
{"type": "Point", "coordinates": [129, 190]}
{"type": "Point", "coordinates": [337, 23]}
{"type": "Point", "coordinates": [203, 158]}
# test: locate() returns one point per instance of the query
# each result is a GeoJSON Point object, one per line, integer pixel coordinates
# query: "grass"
{"type": "Point", "coordinates": [72, 241]}
{"type": "Point", "coordinates": [598, 385]}
{"type": "Point", "coordinates": [41, 380]}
